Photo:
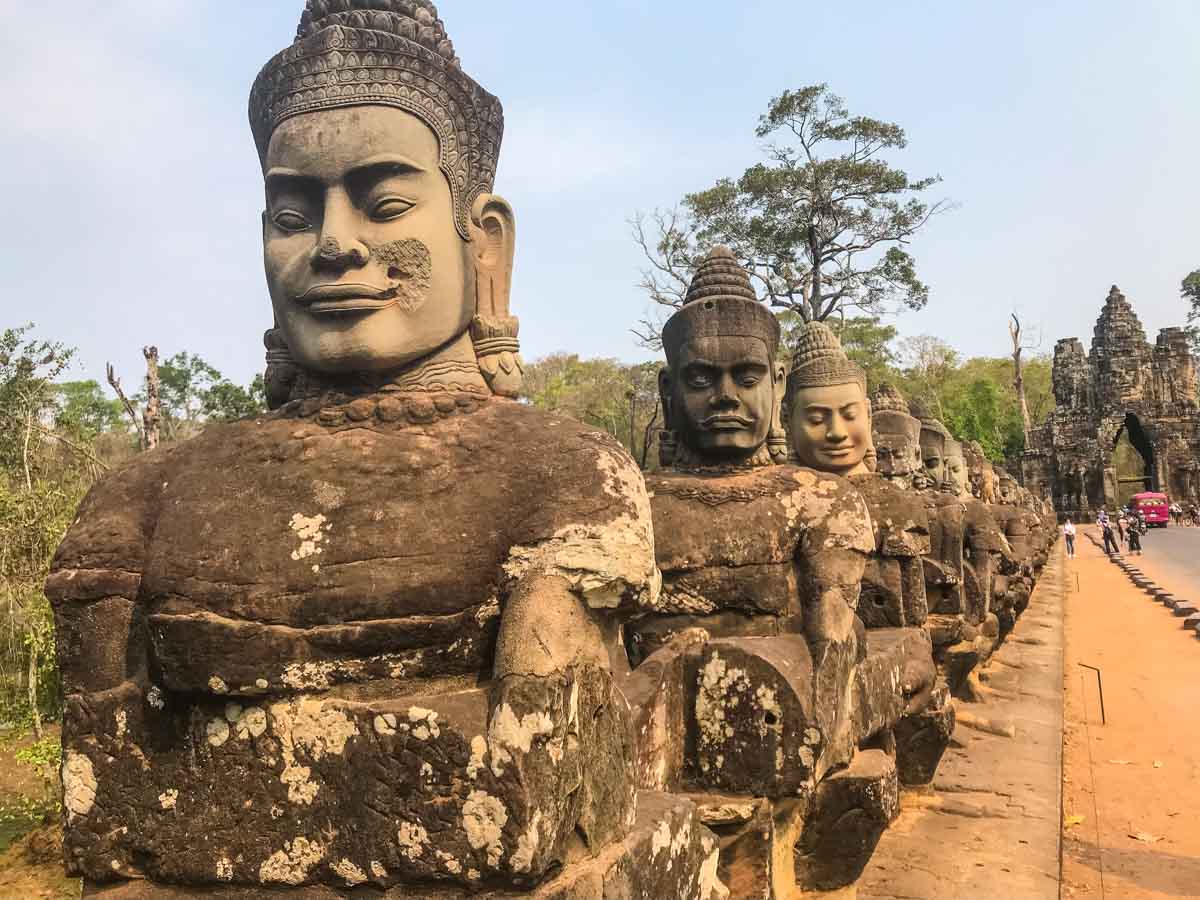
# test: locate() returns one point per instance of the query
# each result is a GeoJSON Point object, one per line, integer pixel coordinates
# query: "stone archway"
{"type": "Point", "coordinates": [1133, 459]}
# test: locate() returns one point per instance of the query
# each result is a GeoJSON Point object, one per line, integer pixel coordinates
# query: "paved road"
{"type": "Point", "coordinates": [1177, 551]}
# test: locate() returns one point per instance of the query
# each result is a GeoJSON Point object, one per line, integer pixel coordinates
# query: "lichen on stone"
{"type": "Point", "coordinates": [292, 864]}
{"type": "Point", "coordinates": [484, 817]}
{"type": "Point", "coordinates": [79, 785]}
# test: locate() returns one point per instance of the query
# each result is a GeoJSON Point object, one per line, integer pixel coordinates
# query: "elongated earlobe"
{"type": "Point", "coordinates": [493, 330]}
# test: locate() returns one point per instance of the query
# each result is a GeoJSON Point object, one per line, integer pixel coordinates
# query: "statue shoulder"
{"type": "Point", "coordinates": [564, 457]}
{"type": "Point", "coordinates": [833, 509]}
{"type": "Point", "coordinates": [584, 513]}
{"type": "Point", "coordinates": [103, 551]}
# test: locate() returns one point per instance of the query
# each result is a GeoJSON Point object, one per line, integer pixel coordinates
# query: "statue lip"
{"type": "Point", "coordinates": [343, 297]}
{"type": "Point", "coordinates": [726, 422]}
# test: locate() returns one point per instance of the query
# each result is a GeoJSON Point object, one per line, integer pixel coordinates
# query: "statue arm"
{"type": "Point", "coordinates": [832, 557]}
{"type": "Point", "coordinates": [562, 726]}
{"type": "Point", "coordinates": [95, 581]}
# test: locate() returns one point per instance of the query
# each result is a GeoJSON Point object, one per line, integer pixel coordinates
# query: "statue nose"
{"type": "Point", "coordinates": [331, 253]}
{"type": "Point", "coordinates": [339, 246]}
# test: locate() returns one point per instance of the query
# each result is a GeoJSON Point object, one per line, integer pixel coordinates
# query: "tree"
{"type": "Point", "coordinates": [822, 225]}
{"type": "Point", "coordinates": [930, 365]}
{"type": "Point", "coordinates": [1190, 291]}
{"type": "Point", "coordinates": [225, 401]}
{"type": "Point", "coordinates": [84, 410]}
{"type": "Point", "coordinates": [1018, 348]}
{"type": "Point", "coordinates": [39, 490]}
{"type": "Point", "coordinates": [184, 393]}
{"type": "Point", "coordinates": [606, 393]}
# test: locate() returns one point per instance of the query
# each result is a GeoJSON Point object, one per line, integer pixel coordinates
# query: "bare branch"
{"type": "Point", "coordinates": [115, 383]}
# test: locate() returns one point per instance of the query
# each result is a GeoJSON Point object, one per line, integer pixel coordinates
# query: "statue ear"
{"type": "Point", "coordinates": [664, 396]}
{"type": "Point", "coordinates": [777, 442]}
{"type": "Point", "coordinates": [493, 241]}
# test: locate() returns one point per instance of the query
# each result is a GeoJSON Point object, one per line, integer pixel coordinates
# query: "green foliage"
{"type": "Point", "coordinates": [44, 757]}
{"type": "Point", "coordinates": [975, 398]}
{"type": "Point", "coordinates": [621, 399]}
{"type": "Point", "coordinates": [84, 410]}
{"type": "Point", "coordinates": [192, 392]}
{"type": "Point", "coordinates": [225, 401]}
{"type": "Point", "coordinates": [42, 479]}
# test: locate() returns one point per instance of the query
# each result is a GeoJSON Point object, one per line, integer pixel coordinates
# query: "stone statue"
{"type": "Point", "coordinates": [984, 549]}
{"type": "Point", "coordinates": [1019, 530]}
{"type": "Point", "coordinates": [943, 569]}
{"type": "Point", "coordinates": [761, 567]}
{"type": "Point", "coordinates": [979, 470]}
{"type": "Point", "coordinates": [959, 568]}
{"type": "Point", "coordinates": [371, 638]}
{"type": "Point", "coordinates": [830, 414]}
{"type": "Point", "coordinates": [831, 421]}
{"type": "Point", "coordinates": [893, 592]}
{"type": "Point", "coordinates": [750, 677]}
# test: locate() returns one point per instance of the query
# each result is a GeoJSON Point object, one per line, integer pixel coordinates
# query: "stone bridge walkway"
{"type": "Point", "coordinates": [990, 827]}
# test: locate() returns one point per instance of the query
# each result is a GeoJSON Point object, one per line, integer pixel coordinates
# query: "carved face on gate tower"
{"type": "Point", "coordinates": [722, 387]}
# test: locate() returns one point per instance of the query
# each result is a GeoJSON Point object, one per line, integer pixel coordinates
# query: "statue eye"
{"type": "Point", "coordinates": [390, 208]}
{"type": "Point", "coordinates": [290, 220]}
{"type": "Point", "coordinates": [749, 380]}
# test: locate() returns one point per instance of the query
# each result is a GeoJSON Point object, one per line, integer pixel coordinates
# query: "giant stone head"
{"type": "Point", "coordinates": [382, 241]}
{"type": "Point", "coordinates": [828, 409]}
{"type": "Point", "coordinates": [723, 384]}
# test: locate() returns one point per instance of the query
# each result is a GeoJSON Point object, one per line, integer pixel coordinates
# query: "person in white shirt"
{"type": "Point", "coordinates": [1068, 531]}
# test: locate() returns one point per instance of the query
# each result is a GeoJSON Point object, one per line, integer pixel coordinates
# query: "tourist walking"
{"type": "Point", "coordinates": [1122, 521]}
{"type": "Point", "coordinates": [1110, 539]}
{"type": "Point", "coordinates": [1137, 528]}
{"type": "Point", "coordinates": [1068, 530]}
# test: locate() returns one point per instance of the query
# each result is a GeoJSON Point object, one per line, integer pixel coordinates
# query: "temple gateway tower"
{"type": "Point", "coordinates": [1127, 418]}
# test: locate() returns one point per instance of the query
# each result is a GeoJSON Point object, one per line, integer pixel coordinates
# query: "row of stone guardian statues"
{"type": "Point", "coordinates": [408, 636]}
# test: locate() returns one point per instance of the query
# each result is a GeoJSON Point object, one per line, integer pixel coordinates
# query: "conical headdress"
{"type": "Point", "coordinates": [888, 399]}
{"type": "Point", "coordinates": [820, 361]}
{"type": "Point", "coordinates": [387, 53]}
{"type": "Point", "coordinates": [890, 416]}
{"type": "Point", "coordinates": [720, 303]}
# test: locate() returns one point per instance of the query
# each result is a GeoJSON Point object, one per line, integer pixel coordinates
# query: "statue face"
{"type": "Point", "coordinates": [897, 450]}
{"type": "Point", "coordinates": [831, 428]}
{"type": "Point", "coordinates": [956, 474]}
{"type": "Point", "coordinates": [1008, 490]}
{"type": "Point", "coordinates": [935, 461]}
{"type": "Point", "coordinates": [722, 395]}
{"type": "Point", "coordinates": [366, 269]}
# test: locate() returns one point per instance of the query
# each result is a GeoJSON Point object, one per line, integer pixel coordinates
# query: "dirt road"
{"type": "Point", "coordinates": [1131, 787]}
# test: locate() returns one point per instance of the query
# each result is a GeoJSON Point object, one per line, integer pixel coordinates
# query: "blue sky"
{"type": "Point", "coordinates": [1066, 132]}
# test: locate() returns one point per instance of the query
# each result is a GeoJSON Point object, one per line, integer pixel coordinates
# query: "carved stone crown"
{"type": "Point", "coordinates": [890, 416]}
{"type": "Point", "coordinates": [820, 361]}
{"type": "Point", "coordinates": [386, 53]}
{"type": "Point", "coordinates": [888, 399]}
{"type": "Point", "coordinates": [720, 303]}
{"type": "Point", "coordinates": [928, 421]}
